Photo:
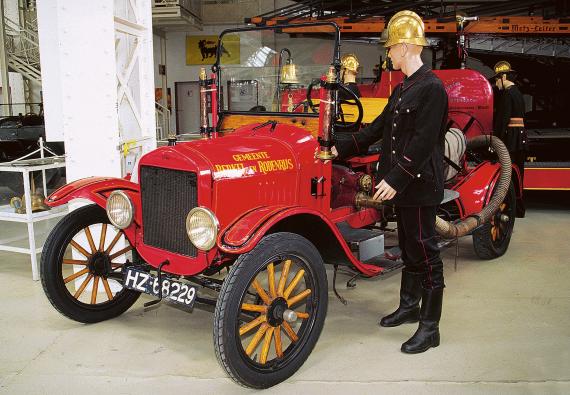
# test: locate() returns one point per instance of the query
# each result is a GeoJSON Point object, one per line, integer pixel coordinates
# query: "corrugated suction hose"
{"type": "Point", "coordinates": [452, 230]}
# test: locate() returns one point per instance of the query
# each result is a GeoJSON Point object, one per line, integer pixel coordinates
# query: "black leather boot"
{"type": "Point", "coordinates": [427, 335]}
{"type": "Point", "coordinates": [410, 295]}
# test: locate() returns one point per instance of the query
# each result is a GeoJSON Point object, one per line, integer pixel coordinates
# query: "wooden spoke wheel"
{"type": "Point", "coordinates": [271, 310]}
{"type": "Point", "coordinates": [492, 239]}
{"type": "Point", "coordinates": [81, 267]}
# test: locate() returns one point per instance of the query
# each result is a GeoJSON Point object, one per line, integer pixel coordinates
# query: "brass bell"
{"type": "Point", "coordinates": [289, 73]}
{"type": "Point", "coordinates": [38, 201]}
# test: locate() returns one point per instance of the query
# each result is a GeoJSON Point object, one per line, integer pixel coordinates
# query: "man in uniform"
{"type": "Point", "coordinates": [412, 129]}
{"type": "Point", "coordinates": [509, 122]}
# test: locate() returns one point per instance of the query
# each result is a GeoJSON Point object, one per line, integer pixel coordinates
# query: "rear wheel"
{"type": "Point", "coordinates": [270, 311]}
{"type": "Point", "coordinates": [493, 238]}
{"type": "Point", "coordinates": [81, 267]}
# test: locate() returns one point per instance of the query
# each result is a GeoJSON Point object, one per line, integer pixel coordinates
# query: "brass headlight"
{"type": "Point", "coordinates": [120, 209]}
{"type": "Point", "coordinates": [202, 228]}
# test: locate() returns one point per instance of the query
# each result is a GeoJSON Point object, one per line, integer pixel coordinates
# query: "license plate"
{"type": "Point", "coordinates": [171, 290]}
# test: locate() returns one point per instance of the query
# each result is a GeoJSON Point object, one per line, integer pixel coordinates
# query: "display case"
{"type": "Point", "coordinates": [22, 212]}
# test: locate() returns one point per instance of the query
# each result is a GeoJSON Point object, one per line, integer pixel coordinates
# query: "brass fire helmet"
{"type": "Point", "coordinates": [502, 67]}
{"type": "Point", "coordinates": [406, 27]}
{"type": "Point", "coordinates": [350, 62]}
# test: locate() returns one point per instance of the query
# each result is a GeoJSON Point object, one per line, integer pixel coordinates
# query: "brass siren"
{"type": "Point", "coordinates": [38, 204]}
{"type": "Point", "coordinates": [289, 73]}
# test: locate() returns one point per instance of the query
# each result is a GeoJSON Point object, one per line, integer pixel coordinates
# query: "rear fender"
{"type": "Point", "coordinates": [515, 179]}
{"type": "Point", "coordinates": [242, 235]}
{"type": "Point", "coordinates": [474, 189]}
{"type": "Point", "coordinates": [480, 182]}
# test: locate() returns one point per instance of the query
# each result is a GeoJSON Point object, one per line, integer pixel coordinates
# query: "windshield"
{"type": "Point", "coordinates": [270, 70]}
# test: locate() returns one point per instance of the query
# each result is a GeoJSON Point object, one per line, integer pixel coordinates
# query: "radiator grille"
{"type": "Point", "coordinates": [167, 196]}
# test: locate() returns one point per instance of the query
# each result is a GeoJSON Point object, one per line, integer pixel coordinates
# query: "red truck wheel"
{"type": "Point", "coordinates": [493, 238]}
{"type": "Point", "coordinates": [271, 310]}
{"type": "Point", "coordinates": [71, 281]}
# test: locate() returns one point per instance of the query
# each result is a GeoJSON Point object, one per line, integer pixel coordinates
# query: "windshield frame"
{"type": "Point", "coordinates": [217, 69]}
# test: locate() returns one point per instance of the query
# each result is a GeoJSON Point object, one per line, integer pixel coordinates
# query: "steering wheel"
{"type": "Point", "coordinates": [340, 125]}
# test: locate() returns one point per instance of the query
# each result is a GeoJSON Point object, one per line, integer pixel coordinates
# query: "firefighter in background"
{"type": "Point", "coordinates": [349, 70]}
{"type": "Point", "coordinates": [509, 114]}
{"type": "Point", "coordinates": [412, 128]}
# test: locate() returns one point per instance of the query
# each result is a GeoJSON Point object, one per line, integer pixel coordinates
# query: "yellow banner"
{"type": "Point", "coordinates": [202, 49]}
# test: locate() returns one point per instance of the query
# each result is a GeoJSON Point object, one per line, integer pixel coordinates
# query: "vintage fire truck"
{"type": "Point", "coordinates": [262, 195]}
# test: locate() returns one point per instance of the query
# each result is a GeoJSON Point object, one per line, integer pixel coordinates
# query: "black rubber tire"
{"type": "Point", "coordinates": [483, 243]}
{"type": "Point", "coordinates": [242, 273]}
{"type": "Point", "coordinates": [51, 273]}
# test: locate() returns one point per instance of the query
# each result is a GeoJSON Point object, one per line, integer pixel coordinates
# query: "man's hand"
{"type": "Point", "coordinates": [384, 191]}
{"type": "Point", "coordinates": [334, 151]}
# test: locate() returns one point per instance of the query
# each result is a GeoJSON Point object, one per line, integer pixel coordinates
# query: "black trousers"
{"type": "Point", "coordinates": [518, 158]}
{"type": "Point", "coordinates": [418, 242]}
{"type": "Point", "coordinates": [516, 141]}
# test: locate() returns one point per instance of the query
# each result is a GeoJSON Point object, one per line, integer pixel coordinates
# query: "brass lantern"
{"type": "Point", "coordinates": [289, 73]}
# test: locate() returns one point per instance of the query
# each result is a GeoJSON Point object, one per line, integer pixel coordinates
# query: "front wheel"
{"type": "Point", "coordinates": [493, 238]}
{"type": "Point", "coordinates": [81, 267]}
{"type": "Point", "coordinates": [271, 310]}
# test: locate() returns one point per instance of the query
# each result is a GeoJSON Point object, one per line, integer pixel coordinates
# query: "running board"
{"type": "Point", "coordinates": [386, 264]}
{"type": "Point", "coordinates": [367, 245]}
{"type": "Point", "coordinates": [364, 243]}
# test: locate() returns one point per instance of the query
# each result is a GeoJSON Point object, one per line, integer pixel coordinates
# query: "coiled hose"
{"type": "Point", "coordinates": [450, 230]}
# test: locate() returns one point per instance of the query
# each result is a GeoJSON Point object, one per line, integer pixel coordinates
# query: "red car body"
{"type": "Point", "coordinates": [258, 180]}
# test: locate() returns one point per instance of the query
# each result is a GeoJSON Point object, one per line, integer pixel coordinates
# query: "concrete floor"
{"type": "Point", "coordinates": [505, 330]}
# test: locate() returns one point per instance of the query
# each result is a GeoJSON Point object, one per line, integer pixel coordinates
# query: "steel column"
{"type": "Point", "coordinates": [6, 97]}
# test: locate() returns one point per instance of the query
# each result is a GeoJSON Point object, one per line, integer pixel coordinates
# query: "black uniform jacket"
{"type": "Point", "coordinates": [412, 129]}
{"type": "Point", "coordinates": [510, 104]}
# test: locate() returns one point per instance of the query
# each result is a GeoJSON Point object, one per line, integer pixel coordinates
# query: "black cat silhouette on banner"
{"type": "Point", "coordinates": [202, 49]}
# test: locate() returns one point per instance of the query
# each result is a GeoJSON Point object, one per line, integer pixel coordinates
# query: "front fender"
{"type": "Point", "coordinates": [243, 234]}
{"type": "Point", "coordinates": [239, 235]}
{"type": "Point", "coordinates": [95, 189]}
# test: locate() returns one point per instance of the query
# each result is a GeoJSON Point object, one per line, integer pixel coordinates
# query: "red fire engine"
{"type": "Point", "coordinates": [262, 195]}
